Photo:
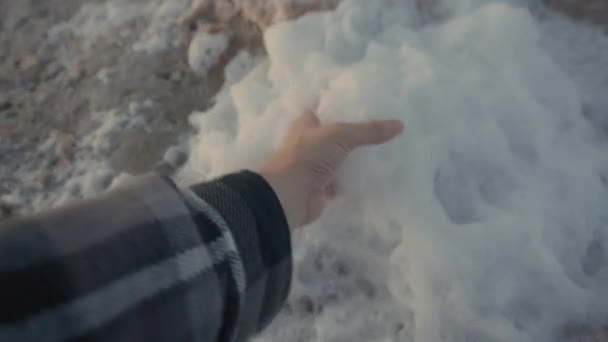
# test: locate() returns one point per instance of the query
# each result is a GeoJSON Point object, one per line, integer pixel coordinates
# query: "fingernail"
{"type": "Point", "coordinates": [394, 127]}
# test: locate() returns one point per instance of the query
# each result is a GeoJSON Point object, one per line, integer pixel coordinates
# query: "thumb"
{"type": "Point", "coordinates": [372, 132]}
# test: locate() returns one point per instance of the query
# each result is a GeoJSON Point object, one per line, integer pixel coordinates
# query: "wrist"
{"type": "Point", "coordinates": [282, 188]}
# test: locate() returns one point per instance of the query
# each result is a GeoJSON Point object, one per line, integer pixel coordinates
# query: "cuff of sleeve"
{"type": "Point", "coordinates": [261, 232]}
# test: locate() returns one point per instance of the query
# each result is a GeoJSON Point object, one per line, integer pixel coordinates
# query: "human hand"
{"type": "Point", "coordinates": [302, 170]}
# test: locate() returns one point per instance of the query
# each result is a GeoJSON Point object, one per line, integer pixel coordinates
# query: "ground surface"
{"type": "Point", "coordinates": [80, 111]}
{"type": "Point", "coordinates": [57, 87]}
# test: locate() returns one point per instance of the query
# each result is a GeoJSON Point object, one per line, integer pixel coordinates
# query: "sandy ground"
{"type": "Point", "coordinates": [55, 87]}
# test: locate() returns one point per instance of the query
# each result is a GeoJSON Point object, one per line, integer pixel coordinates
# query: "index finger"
{"type": "Point", "coordinates": [372, 132]}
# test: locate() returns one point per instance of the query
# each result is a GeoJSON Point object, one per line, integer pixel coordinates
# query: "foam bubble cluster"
{"type": "Point", "coordinates": [485, 221]}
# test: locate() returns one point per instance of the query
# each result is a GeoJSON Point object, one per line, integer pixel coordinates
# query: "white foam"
{"type": "Point", "coordinates": [477, 224]}
{"type": "Point", "coordinates": [239, 67]}
{"type": "Point", "coordinates": [582, 51]}
{"type": "Point", "coordinates": [206, 50]}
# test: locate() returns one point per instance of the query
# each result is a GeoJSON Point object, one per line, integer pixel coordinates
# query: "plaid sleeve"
{"type": "Point", "coordinates": [147, 262]}
{"type": "Point", "coordinates": [249, 211]}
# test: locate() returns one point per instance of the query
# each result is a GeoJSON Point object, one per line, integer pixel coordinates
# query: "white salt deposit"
{"type": "Point", "coordinates": [96, 20]}
{"type": "Point", "coordinates": [262, 14]}
{"type": "Point", "coordinates": [206, 50]}
{"type": "Point", "coordinates": [175, 155]}
{"type": "Point", "coordinates": [239, 67]}
{"type": "Point", "coordinates": [485, 221]}
{"type": "Point", "coordinates": [81, 169]}
{"type": "Point", "coordinates": [162, 30]}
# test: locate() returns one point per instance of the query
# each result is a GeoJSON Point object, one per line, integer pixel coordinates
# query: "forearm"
{"type": "Point", "coordinates": [104, 268]}
{"type": "Point", "coordinates": [255, 218]}
{"type": "Point", "coordinates": [149, 262]}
